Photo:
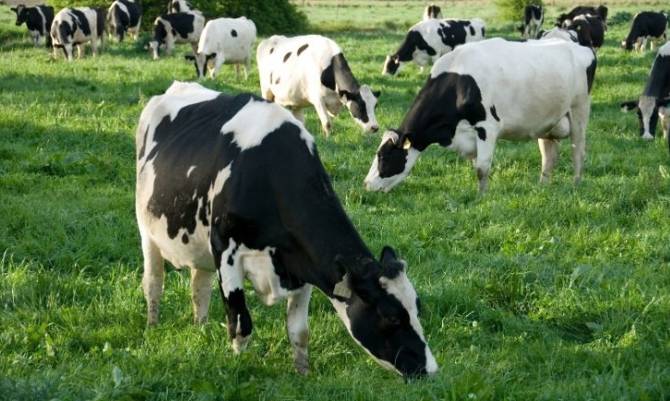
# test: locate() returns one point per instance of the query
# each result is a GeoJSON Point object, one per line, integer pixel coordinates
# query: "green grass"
{"type": "Point", "coordinates": [532, 292]}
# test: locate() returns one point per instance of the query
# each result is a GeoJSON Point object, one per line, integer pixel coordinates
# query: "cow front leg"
{"type": "Point", "coordinates": [298, 328]}
{"type": "Point", "coordinates": [231, 276]}
{"type": "Point", "coordinates": [152, 279]}
{"type": "Point", "coordinates": [549, 152]}
{"type": "Point", "coordinates": [219, 59]}
{"type": "Point", "coordinates": [322, 112]}
{"type": "Point", "coordinates": [487, 135]}
{"type": "Point", "coordinates": [80, 51]}
{"type": "Point", "coordinates": [299, 114]}
{"type": "Point", "coordinates": [201, 292]}
{"type": "Point", "coordinates": [579, 118]}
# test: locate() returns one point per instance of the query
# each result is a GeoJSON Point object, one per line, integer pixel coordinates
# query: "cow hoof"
{"type": "Point", "coordinates": [240, 343]}
{"type": "Point", "coordinates": [301, 363]}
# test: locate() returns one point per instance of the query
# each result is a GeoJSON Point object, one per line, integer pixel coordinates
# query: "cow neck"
{"type": "Point", "coordinates": [344, 78]}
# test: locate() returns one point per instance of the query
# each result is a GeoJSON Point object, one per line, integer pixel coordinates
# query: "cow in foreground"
{"type": "Point", "coordinates": [647, 26]}
{"type": "Point", "coordinates": [226, 41]}
{"type": "Point", "coordinates": [182, 27]}
{"type": "Point", "coordinates": [428, 40]}
{"type": "Point", "coordinates": [38, 20]}
{"type": "Point", "coordinates": [299, 71]}
{"type": "Point", "coordinates": [533, 17]}
{"type": "Point", "coordinates": [75, 27]}
{"type": "Point", "coordinates": [465, 106]}
{"type": "Point", "coordinates": [124, 16]}
{"type": "Point", "coordinates": [600, 12]}
{"type": "Point", "coordinates": [655, 100]}
{"type": "Point", "coordinates": [234, 185]}
{"type": "Point", "coordinates": [432, 11]}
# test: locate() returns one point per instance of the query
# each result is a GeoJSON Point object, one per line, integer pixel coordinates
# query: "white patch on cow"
{"type": "Point", "coordinates": [370, 103]}
{"type": "Point", "coordinates": [258, 268]}
{"type": "Point", "coordinates": [219, 182]}
{"type": "Point", "coordinates": [561, 33]}
{"type": "Point", "coordinates": [190, 170]}
{"type": "Point", "coordinates": [647, 105]}
{"type": "Point", "coordinates": [664, 50]}
{"type": "Point", "coordinates": [341, 288]}
{"type": "Point", "coordinates": [465, 139]}
{"type": "Point", "coordinates": [256, 120]}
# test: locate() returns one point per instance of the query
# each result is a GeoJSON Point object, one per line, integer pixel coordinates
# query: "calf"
{"type": "Point", "coordinates": [124, 16]}
{"type": "Point", "coordinates": [234, 185]}
{"type": "Point", "coordinates": [227, 41]}
{"type": "Point", "coordinates": [600, 11]}
{"type": "Point", "coordinates": [432, 12]}
{"type": "Point", "coordinates": [655, 100]}
{"type": "Point", "coordinates": [38, 20]}
{"type": "Point", "coordinates": [179, 6]}
{"type": "Point", "coordinates": [647, 25]}
{"type": "Point", "coordinates": [465, 106]}
{"type": "Point", "coordinates": [429, 40]}
{"type": "Point", "coordinates": [75, 27]}
{"type": "Point", "coordinates": [303, 70]}
{"type": "Point", "coordinates": [590, 30]}
{"type": "Point", "coordinates": [182, 27]}
{"type": "Point", "coordinates": [532, 21]}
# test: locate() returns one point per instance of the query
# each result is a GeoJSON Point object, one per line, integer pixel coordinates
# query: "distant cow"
{"type": "Point", "coordinates": [179, 6]}
{"type": "Point", "coordinates": [182, 27]}
{"type": "Point", "coordinates": [655, 100]}
{"type": "Point", "coordinates": [600, 11]}
{"type": "Point", "coordinates": [38, 20]}
{"type": "Point", "coordinates": [124, 16]}
{"type": "Point", "coordinates": [590, 30]}
{"type": "Point", "coordinates": [299, 71]}
{"type": "Point", "coordinates": [429, 40]}
{"type": "Point", "coordinates": [647, 25]}
{"type": "Point", "coordinates": [234, 185]}
{"type": "Point", "coordinates": [226, 41]}
{"type": "Point", "coordinates": [432, 12]}
{"type": "Point", "coordinates": [75, 27]}
{"type": "Point", "coordinates": [466, 106]}
{"type": "Point", "coordinates": [532, 21]}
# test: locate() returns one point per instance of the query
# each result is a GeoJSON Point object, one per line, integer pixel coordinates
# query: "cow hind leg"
{"type": "Point", "coordinates": [549, 152]}
{"type": "Point", "coordinates": [152, 279]}
{"type": "Point", "coordinates": [218, 62]}
{"type": "Point", "coordinates": [297, 326]}
{"type": "Point", "coordinates": [201, 292]}
{"type": "Point", "coordinates": [579, 118]}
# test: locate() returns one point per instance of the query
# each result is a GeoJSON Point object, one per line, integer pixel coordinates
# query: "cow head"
{"type": "Point", "coordinates": [160, 35]}
{"type": "Point", "coordinates": [21, 14]}
{"type": "Point", "coordinates": [394, 159]}
{"type": "Point", "coordinates": [647, 108]}
{"type": "Point", "coordinates": [391, 65]}
{"type": "Point", "coordinates": [200, 62]}
{"type": "Point", "coordinates": [380, 308]}
{"type": "Point", "coordinates": [362, 105]}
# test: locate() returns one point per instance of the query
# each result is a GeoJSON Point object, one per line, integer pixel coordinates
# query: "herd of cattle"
{"type": "Point", "coordinates": [234, 186]}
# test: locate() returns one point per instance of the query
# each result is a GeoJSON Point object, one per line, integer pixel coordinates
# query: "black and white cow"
{"type": "Point", "coordinates": [590, 30]}
{"type": "Point", "coordinates": [302, 70]}
{"type": "Point", "coordinates": [38, 20]}
{"type": "Point", "coordinates": [75, 27]}
{"type": "Point", "coordinates": [655, 100]}
{"type": "Point", "coordinates": [600, 11]}
{"type": "Point", "coordinates": [647, 26]}
{"type": "Point", "coordinates": [179, 6]}
{"type": "Point", "coordinates": [234, 185]}
{"type": "Point", "coordinates": [432, 12]}
{"type": "Point", "coordinates": [124, 16]}
{"type": "Point", "coordinates": [533, 17]}
{"type": "Point", "coordinates": [465, 106]}
{"type": "Point", "coordinates": [182, 27]}
{"type": "Point", "coordinates": [226, 41]}
{"type": "Point", "coordinates": [429, 40]}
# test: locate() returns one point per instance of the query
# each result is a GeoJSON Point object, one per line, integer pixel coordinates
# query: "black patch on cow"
{"type": "Point", "coordinates": [272, 49]}
{"type": "Point", "coordinates": [591, 72]}
{"type": "Point", "coordinates": [494, 113]}
{"type": "Point", "coordinates": [184, 238]}
{"type": "Point", "coordinates": [481, 133]}
{"type": "Point", "coordinates": [233, 33]}
{"type": "Point", "coordinates": [81, 22]}
{"type": "Point", "coordinates": [600, 11]}
{"type": "Point", "coordinates": [658, 83]}
{"type": "Point", "coordinates": [125, 19]}
{"type": "Point", "coordinates": [413, 41]}
{"type": "Point", "coordinates": [286, 56]}
{"type": "Point", "coordinates": [338, 77]}
{"type": "Point", "coordinates": [472, 30]}
{"type": "Point", "coordinates": [391, 159]}
{"type": "Point", "coordinates": [65, 32]}
{"type": "Point", "coordinates": [237, 313]}
{"type": "Point", "coordinates": [302, 48]}
{"type": "Point", "coordinates": [277, 81]}
{"type": "Point", "coordinates": [646, 23]}
{"type": "Point", "coordinates": [182, 25]}
{"type": "Point", "coordinates": [483, 32]}
{"type": "Point", "coordinates": [454, 32]}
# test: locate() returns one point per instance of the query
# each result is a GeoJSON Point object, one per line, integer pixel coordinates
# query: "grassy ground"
{"type": "Point", "coordinates": [531, 292]}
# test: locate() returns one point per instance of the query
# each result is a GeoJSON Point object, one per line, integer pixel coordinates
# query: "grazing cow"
{"type": "Point", "coordinates": [38, 20]}
{"type": "Point", "coordinates": [182, 27]}
{"type": "Point", "coordinates": [532, 21]}
{"type": "Point", "coordinates": [124, 16]}
{"type": "Point", "coordinates": [429, 40]}
{"type": "Point", "coordinates": [655, 100]}
{"type": "Point", "coordinates": [432, 12]}
{"type": "Point", "coordinates": [465, 106]}
{"type": "Point", "coordinates": [600, 11]}
{"type": "Point", "coordinates": [76, 26]}
{"type": "Point", "coordinates": [179, 6]}
{"type": "Point", "coordinates": [590, 30]}
{"type": "Point", "coordinates": [647, 25]}
{"type": "Point", "coordinates": [227, 41]}
{"type": "Point", "coordinates": [234, 185]}
{"type": "Point", "coordinates": [299, 71]}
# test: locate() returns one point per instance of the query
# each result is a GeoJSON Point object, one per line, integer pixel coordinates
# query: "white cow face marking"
{"type": "Point", "coordinates": [394, 160]}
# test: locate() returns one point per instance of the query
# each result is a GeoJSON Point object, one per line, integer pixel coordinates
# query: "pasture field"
{"type": "Point", "coordinates": [555, 292]}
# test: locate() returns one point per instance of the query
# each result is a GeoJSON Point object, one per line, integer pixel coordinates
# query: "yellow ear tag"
{"type": "Point", "coordinates": [407, 144]}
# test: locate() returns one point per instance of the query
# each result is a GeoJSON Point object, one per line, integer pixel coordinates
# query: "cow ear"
{"type": "Point", "coordinates": [388, 255]}
{"type": "Point", "coordinates": [376, 94]}
{"type": "Point", "coordinates": [629, 105]}
{"type": "Point", "coordinates": [404, 142]}
{"type": "Point", "coordinates": [346, 94]}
